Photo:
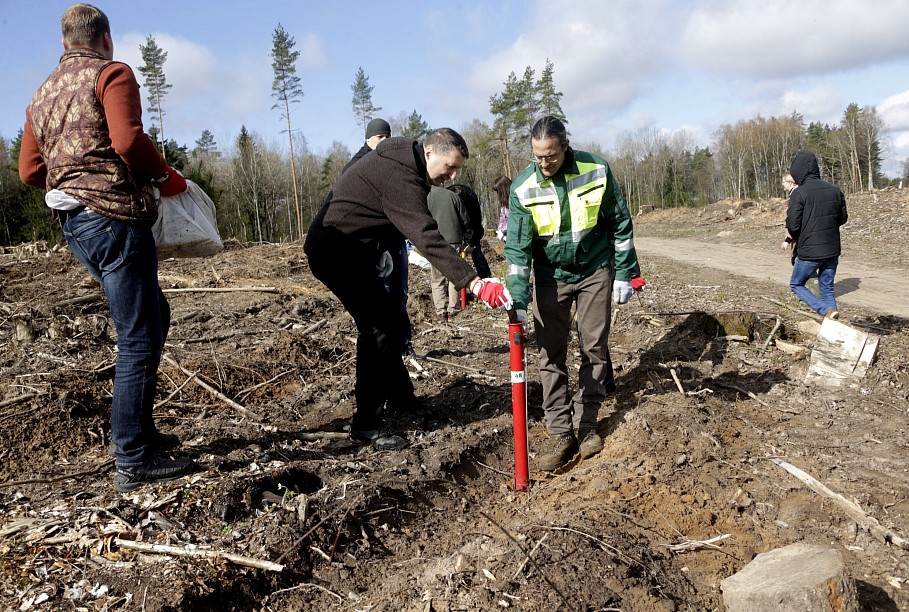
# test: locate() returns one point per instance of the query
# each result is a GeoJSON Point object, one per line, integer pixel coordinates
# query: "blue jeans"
{"type": "Point", "coordinates": [396, 285]}
{"type": "Point", "coordinates": [802, 270]}
{"type": "Point", "coordinates": [122, 257]}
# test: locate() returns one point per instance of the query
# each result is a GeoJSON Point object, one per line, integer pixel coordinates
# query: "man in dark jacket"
{"type": "Point", "coordinates": [374, 203]}
{"type": "Point", "coordinates": [816, 211]}
{"type": "Point", "coordinates": [396, 278]}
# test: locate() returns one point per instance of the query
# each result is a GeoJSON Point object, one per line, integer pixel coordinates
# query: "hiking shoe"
{"type": "Point", "coordinates": [561, 449]}
{"type": "Point", "coordinates": [442, 317]}
{"type": "Point", "coordinates": [159, 440]}
{"type": "Point", "coordinates": [157, 469]}
{"type": "Point", "coordinates": [832, 314]}
{"type": "Point", "coordinates": [591, 443]}
{"type": "Point", "coordinates": [379, 439]}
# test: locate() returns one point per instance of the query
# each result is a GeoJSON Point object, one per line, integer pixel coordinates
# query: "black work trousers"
{"type": "Point", "coordinates": [348, 268]}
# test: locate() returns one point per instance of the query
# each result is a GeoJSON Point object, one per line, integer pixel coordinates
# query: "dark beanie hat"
{"type": "Point", "coordinates": [377, 127]}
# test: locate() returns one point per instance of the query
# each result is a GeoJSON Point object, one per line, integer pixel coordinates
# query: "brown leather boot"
{"type": "Point", "coordinates": [561, 449]}
{"type": "Point", "coordinates": [591, 442]}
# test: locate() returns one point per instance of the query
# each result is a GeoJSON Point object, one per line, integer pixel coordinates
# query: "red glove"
{"type": "Point", "coordinates": [492, 292]}
{"type": "Point", "coordinates": [172, 184]}
{"type": "Point", "coordinates": [637, 283]}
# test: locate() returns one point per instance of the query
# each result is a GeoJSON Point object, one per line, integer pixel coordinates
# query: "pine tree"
{"type": "Point", "coordinates": [416, 128]}
{"type": "Point", "coordinates": [155, 83]}
{"type": "Point", "coordinates": [206, 143]}
{"type": "Point", "coordinates": [286, 89]}
{"type": "Point", "coordinates": [548, 99]}
{"type": "Point", "coordinates": [361, 103]}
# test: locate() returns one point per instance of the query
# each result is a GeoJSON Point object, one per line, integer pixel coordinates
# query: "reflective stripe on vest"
{"type": "Point", "coordinates": [585, 194]}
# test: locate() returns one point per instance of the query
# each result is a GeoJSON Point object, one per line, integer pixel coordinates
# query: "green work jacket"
{"type": "Point", "coordinates": [568, 226]}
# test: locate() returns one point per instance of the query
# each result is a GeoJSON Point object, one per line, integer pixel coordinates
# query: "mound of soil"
{"type": "Point", "coordinates": [287, 513]}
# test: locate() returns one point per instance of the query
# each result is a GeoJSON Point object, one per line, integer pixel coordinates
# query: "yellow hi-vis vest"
{"type": "Point", "coordinates": [585, 192]}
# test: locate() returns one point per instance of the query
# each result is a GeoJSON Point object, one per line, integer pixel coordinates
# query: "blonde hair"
{"type": "Point", "coordinates": [788, 183]}
{"type": "Point", "coordinates": [83, 25]}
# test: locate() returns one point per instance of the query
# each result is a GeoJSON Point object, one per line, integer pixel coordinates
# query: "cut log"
{"type": "Point", "coordinates": [841, 355]}
{"type": "Point", "coordinates": [797, 578]}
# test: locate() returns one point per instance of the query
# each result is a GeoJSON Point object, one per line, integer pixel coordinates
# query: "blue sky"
{"type": "Point", "coordinates": [622, 65]}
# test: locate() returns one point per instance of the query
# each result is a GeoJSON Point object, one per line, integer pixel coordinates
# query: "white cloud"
{"type": "Point", "coordinates": [602, 51]}
{"type": "Point", "coordinates": [209, 91]}
{"type": "Point", "coordinates": [820, 103]}
{"type": "Point", "coordinates": [895, 111]}
{"type": "Point", "coordinates": [773, 37]}
{"type": "Point", "coordinates": [313, 55]}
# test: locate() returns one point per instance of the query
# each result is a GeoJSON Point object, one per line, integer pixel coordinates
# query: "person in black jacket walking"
{"type": "Point", "coordinates": [816, 211]}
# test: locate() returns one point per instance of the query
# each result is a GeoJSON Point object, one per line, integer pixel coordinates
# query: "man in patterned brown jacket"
{"type": "Point", "coordinates": [84, 143]}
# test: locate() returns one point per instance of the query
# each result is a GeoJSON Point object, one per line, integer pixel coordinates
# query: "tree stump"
{"type": "Point", "coordinates": [797, 578]}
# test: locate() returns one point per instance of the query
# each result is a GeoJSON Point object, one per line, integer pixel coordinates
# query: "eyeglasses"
{"type": "Point", "coordinates": [549, 159]}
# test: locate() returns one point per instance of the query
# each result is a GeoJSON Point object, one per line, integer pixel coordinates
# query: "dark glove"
{"type": "Point", "coordinates": [172, 184]}
{"type": "Point", "coordinates": [492, 292]}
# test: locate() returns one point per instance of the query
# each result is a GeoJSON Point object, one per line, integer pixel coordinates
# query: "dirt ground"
{"type": "Point", "coordinates": [285, 513]}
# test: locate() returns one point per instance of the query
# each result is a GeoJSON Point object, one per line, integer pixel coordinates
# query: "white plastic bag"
{"type": "Point", "coordinates": [415, 259]}
{"type": "Point", "coordinates": [186, 225]}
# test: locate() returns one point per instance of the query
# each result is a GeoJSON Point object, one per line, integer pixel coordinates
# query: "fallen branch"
{"type": "Point", "coordinates": [84, 299]}
{"type": "Point", "coordinates": [678, 383]}
{"type": "Point", "coordinates": [810, 315]}
{"type": "Point", "coordinates": [740, 390]}
{"type": "Point", "coordinates": [241, 409]}
{"type": "Point", "coordinates": [262, 384]}
{"type": "Point", "coordinates": [313, 327]}
{"type": "Point", "coordinates": [15, 400]}
{"type": "Point", "coordinates": [528, 558]}
{"type": "Point", "coordinates": [309, 585]}
{"type": "Point", "coordinates": [698, 544]}
{"type": "Point", "coordinates": [772, 332]}
{"type": "Point", "coordinates": [176, 391]}
{"type": "Point", "coordinates": [529, 555]}
{"type": "Point", "coordinates": [164, 549]}
{"type": "Point", "coordinates": [50, 479]}
{"type": "Point", "coordinates": [220, 289]}
{"type": "Point", "coordinates": [323, 435]}
{"type": "Point", "coordinates": [851, 508]}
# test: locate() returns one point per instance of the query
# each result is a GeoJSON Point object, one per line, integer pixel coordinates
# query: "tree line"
{"type": "Point", "coordinates": [269, 193]}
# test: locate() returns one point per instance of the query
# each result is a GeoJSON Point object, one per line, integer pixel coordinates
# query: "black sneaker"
{"type": "Point", "coordinates": [379, 439]}
{"type": "Point", "coordinates": [159, 440]}
{"type": "Point", "coordinates": [157, 469]}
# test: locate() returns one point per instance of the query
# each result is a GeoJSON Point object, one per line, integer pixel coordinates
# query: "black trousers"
{"type": "Point", "coordinates": [348, 268]}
